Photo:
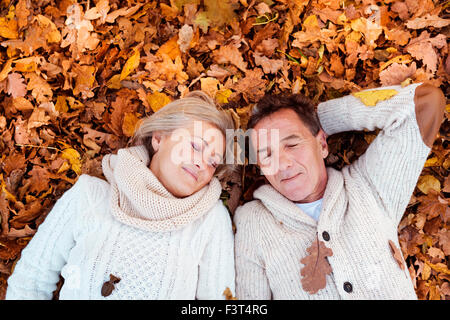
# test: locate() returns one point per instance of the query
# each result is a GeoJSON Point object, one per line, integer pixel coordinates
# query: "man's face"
{"type": "Point", "coordinates": [290, 157]}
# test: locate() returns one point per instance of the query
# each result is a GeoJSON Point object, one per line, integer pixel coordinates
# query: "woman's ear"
{"type": "Point", "coordinates": [156, 140]}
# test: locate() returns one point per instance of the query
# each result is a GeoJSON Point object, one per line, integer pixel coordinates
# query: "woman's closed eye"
{"type": "Point", "coordinates": [195, 146]}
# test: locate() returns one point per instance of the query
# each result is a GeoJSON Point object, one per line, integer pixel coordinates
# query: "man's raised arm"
{"type": "Point", "coordinates": [409, 122]}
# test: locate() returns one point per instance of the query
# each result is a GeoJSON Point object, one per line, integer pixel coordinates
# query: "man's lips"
{"type": "Point", "coordinates": [291, 178]}
{"type": "Point", "coordinates": [191, 172]}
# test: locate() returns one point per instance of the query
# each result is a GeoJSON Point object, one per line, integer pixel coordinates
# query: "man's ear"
{"type": "Point", "coordinates": [322, 139]}
{"type": "Point", "coordinates": [156, 140]}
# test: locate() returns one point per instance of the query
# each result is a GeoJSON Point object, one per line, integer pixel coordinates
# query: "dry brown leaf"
{"type": "Point", "coordinates": [316, 267]}
{"type": "Point", "coordinates": [397, 254]}
{"type": "Point", "coordinates": [427, 21]}
{"type": "Point", "coordinates": [396, 73]}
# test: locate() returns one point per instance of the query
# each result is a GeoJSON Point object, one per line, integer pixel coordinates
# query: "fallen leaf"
{"type": "Point", "coordinates": [427, 21]}
{"type": "Point", "coordinates": [131, 64]}
{"type": "Point", "coordinates": [16, 86]}
{"type": "Point", "coordinates": [372, 97]}
{"type": "Point", "coordinates": [316, 267]}
{"type": "Point", "coordinates": [427, 183]}
{"type": "Point", "coordinates": [157, 100]}
{"type": "Point", "coordinates": [397, 254]}
{"type": "Point", "coordinates": [396, 74]}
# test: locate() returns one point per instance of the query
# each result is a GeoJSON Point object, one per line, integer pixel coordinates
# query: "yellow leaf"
{"type": "Point", "coordinates": [223, 95]}
{"type": "Point", "coordinates": [311, 24]}
{"type": "Point", "coordinates": [210, 86]}
{"type": "Point", "coordinates": [432, 162]}
{"type": "Point", "coordinates": [7, 67]}
{"type": "Point", "coordinates": [53, 35]}
{"type": "Point", "coordinates": [427, 183]}
{"type": "Point", "coordinates": [8, 25]}
{"type": "Point", "coordinates": [157, 100]}
{"type": "Point", "coordinates": [26, 64]}
{"type": "Point", "coordinates": [171, 48]}
{"type": "Point", "coordinates": [403, 59]}
{"type": "Point", "coordinates": [61, 104]}
{"type": "Point", "coordinates": [114, 82]}
{"type": "Point", "coordinates": [371, 97]}
{"type": "Point", "coordinates": [426, 272]}
{"type": "Point", "coordinates": [74, 159]}
{"type": "Point", "coordinates": [439, 267]}
{"type": "Point", "coordinates": [74, 103]}
{"type": "Point", "coordinates": [131, 64]}
{"type": "Point", "coordinates": [130, 121]}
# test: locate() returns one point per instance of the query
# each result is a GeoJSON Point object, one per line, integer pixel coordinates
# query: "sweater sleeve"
{"type": "Point", "coordinates": [251, 279]}
{"type": "Point", "coordinates": [216, 269]}
{"type": "Point", "coordinates": [394, 160]}
{"type": "Point", "coordinates": [37, 272]}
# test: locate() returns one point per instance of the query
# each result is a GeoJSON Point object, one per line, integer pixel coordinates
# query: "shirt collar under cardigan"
{"type": "Point", "coordinates": [284, 210]}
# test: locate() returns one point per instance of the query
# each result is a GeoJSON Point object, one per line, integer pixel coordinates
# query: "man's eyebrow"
{"type": "Point", "coordinates": [292, 136]}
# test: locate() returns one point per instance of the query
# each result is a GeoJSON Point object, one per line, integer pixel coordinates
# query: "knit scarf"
{"type": "Point", "coordinates": [140, 200]}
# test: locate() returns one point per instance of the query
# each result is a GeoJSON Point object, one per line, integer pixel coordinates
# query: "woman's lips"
{"type": "Point", "coordinates": [191, 172]}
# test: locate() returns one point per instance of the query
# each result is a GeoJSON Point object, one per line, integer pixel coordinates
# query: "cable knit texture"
{"type": "Point", "coordinates": [140, 200]}
{"type": "Point", "coordinates": [159, 246]}
{"type": "Point", "coordinates": [362, 207]}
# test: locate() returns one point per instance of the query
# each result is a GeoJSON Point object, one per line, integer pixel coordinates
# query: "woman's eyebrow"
{"type": "Point", "coordinates": [207, 145]}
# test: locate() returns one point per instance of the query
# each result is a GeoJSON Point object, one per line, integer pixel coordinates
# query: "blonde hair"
{"type": "Point", "coordinates": [196, 105]}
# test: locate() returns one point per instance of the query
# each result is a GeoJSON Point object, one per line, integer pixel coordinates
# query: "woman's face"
{"type": "Point", "coordinates": [185, 160]}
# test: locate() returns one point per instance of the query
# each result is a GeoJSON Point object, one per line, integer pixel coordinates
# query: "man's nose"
{"type": "Point", "coordinates": [284, 161]}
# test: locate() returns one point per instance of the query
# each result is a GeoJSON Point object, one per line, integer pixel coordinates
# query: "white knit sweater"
{"type": "Point", "coordinates": [84, 242]}
{"type": "Point", "coordinates": [362, 206]}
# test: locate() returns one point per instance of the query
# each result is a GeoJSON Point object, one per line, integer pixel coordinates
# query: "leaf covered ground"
{"type": "Point", "coordinates": [76, 77]}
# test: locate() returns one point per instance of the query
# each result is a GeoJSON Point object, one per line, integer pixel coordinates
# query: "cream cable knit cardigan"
{"type": "Point", "coordinates": [161, 247]}
{"type": "Point", "coordinates": [362, 206]}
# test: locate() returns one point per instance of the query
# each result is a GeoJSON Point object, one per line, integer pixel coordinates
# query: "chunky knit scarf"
{"type": "Point", "coordinates": [140, 200]}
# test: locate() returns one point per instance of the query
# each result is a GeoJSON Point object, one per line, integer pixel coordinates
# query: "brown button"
{"type": "Point", "coordinates": [325, 236]}
{"type": "Point", "coordinates": [348, 287]}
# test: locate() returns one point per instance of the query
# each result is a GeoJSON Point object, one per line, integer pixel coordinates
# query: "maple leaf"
{"type": "Point", "coordinates": [316, 267]}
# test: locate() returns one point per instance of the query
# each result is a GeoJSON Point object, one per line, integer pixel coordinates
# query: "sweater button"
{"type": "Point", "coordinates": [325, 236]}
{"type": "Point", "coordinates": [348, 287]}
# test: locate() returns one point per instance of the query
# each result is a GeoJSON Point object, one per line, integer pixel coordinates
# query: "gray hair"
{"type": "Point", "coordinates": [196, 105]}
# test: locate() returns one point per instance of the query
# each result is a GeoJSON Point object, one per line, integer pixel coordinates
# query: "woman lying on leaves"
{"type": "Point", "coordinates": [156, 229]}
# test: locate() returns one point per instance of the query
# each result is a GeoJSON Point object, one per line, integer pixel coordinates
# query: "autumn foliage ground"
{"type": "Point", "coordinates": [76, 77]}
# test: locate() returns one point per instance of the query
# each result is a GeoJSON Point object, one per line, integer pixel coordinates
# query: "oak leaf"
{"type": "Point", "coordinates": [397, 73]}
{"type": "Point", "coordinates": [16, 87]}
{"type": "Point", "coordinates": [422, 48]}
{"type": "Point", "coordinates": [316, 267]}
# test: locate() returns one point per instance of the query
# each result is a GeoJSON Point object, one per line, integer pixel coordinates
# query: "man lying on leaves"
{"type": "Point", "coordinates": [156, 229]}
{"type": "Point", "coordinates": [318, 233]}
